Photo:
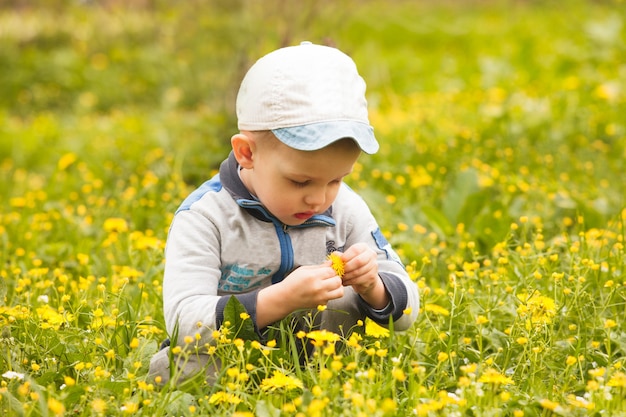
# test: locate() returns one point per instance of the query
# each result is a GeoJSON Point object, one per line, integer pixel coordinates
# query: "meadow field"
{"type": "Point", "coordinates": [501, 181]}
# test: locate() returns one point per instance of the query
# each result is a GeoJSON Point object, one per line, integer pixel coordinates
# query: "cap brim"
{"type": "Point", "coordinates": [314, 136]}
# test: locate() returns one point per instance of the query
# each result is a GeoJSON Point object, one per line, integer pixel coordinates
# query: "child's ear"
{"type": "Point", "coordinates": [243, 148]}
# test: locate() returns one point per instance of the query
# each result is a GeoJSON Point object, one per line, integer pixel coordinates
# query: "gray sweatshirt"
{"type": "Point", "coordinates": [223, 242]}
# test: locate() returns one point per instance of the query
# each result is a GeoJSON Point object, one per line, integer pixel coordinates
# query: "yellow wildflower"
{"type": "Point", "coordinates": [56, 407]}
{"type": "Point", "coordinates": [374, 330]}
{"type": "Point", "coordinates": [279, 381]}
{"type": "Point", "coordinates": [436, 309]}
{"type": "Point", "coordinates": [522, 340]}
{"type": "Point", "coordinates": [549, 405]}
{"type": "Point", "coordinates": [115, 225]}
{"type": "Point", "coordinates": [492, 376]}
{"type": "Point", "coordinates": [337, 264]}
{"type": "Point", "coordinates": [98, 405]}
{"type": "Point", "coordinates": [319, 337]}
{"type": "Point", "coordinates": [222, 397]}
{"type": "Point", "coordinates": [536, 308]}
{"type": "Point", "coordinates": [618, 379]}
{"type": "Point", "coordinates": [398, 374]}
{"type": "Point", "coordinates": [66, 160]}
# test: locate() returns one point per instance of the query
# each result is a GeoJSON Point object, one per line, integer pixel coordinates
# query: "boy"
{"type": "Point", "coordinates": [262, 228]}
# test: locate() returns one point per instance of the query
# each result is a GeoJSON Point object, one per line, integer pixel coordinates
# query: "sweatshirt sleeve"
{"type": "Point", "coordinates": [191, 276]}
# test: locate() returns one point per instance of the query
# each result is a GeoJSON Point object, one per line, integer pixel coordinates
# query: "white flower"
{"type": "Point", "coordinates": [13, 375]}
{"type": "Point", "coordinates": [43, 299]}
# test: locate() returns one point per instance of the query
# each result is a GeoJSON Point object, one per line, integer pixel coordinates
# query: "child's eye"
{"type": "Point", "coordinates": [299, 183]}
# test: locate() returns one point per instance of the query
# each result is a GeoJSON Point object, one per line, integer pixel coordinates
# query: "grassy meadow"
{"type": "Point", "coordinates": [501, 181]}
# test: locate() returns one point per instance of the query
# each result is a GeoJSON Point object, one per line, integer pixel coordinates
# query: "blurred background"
{"type": "Point", "coordinates": [486, 110]}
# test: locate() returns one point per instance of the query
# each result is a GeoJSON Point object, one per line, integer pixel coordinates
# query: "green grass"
{"type": "Point", "coordinates": [500, 181]}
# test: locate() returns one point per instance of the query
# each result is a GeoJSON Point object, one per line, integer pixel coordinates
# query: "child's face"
{"type": "Point", "coordinates": [295, 185]}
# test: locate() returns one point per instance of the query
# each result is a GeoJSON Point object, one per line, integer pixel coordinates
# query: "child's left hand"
{"type": "Point", "coordinates": [361, 273]}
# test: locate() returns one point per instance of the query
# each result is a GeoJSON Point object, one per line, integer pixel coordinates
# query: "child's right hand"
{"type": "Point", "coordinates": [306, 287]}
{"type": "Point", "coordinates": [313, 285]}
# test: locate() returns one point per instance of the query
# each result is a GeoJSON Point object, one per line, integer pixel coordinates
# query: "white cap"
{"type": "Point", "coordinates": [309, 96]}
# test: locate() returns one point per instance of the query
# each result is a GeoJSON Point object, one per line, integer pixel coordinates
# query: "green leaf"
{"type": "Point", "coordinates": [179, 403]}
{"type": "Point", "coordinates": [264, 409]}
{"type": "Point", "coordinates": [14, 405]}
{"type": "Point", "coordinates": [464, 186]}
{"type": "Point", "coordinates": [3, 290]}
{"type": "Point", "coordinates": [240, 322]}
{"type": "Point", "coordinates": [437, 220]}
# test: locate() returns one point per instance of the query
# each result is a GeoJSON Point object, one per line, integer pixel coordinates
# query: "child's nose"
{"type": "Point", "coordinates": [315, 198]}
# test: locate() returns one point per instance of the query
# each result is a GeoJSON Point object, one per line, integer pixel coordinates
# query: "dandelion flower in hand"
{"type": "Point", "coordinates": [337, 264]}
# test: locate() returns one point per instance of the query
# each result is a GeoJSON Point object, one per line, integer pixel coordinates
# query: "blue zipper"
{"type": "Point", "coordinates": [282, 233]}
{"type": "Point", "coordinates": [286, 252]}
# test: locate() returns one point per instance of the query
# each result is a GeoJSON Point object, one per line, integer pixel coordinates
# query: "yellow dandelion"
{"type": "Point", "coordinates": [618, 379]}
{"type": "Point", "coordinates": [398, 374]}
{"type": "Point", "coordinates": [382, 353]}
{"type": "Point", "coordinates": [222, 397]}
{"type": "Point", "coordinates": [492, 376]}
{"type": "Point", "coordinates": [337, 264]}
{"type": "Point", "coordinates": [536, 308]}
{"type": "Point", "coordinates": [243, 414]}
{"type": "Point", "coordinates": [580, 402]}
{"type": "Point", "coordinates": [436, 309]}
{"type": "Point", "coordinates": [56, 407]}
{"type": "Point", "coordinates": [280, 381]}
{"type": "Point", "coordinates": [549, 404]}
{"type": "Point", "coordinates": [388, 405]}
{"type": "Point", "coordinates": [597, 372]}
{"type": "Point", "coordinates": [98, 405]}
{"type": "Point", "coordinates": [319, 337]}
{"type": "Point", "coordinates": [375, 330]}
{"type": "Point", "coordinates": [469, 369]}
{"type": "Point", "coordinates": [66, 160]}
{"type": "Point", "coordinates": [134, 344]}
{"type": "Point", "coordinates": [115, 225]}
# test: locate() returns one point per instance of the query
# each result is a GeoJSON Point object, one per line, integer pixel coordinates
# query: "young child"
{"type": "Point", "coordinates": [262, 228]}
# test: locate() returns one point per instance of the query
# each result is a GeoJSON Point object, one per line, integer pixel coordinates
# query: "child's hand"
{"type": "Point", "coordinates": [312, 285]}
{"type": "Point", "coordinates": [361, 272]}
